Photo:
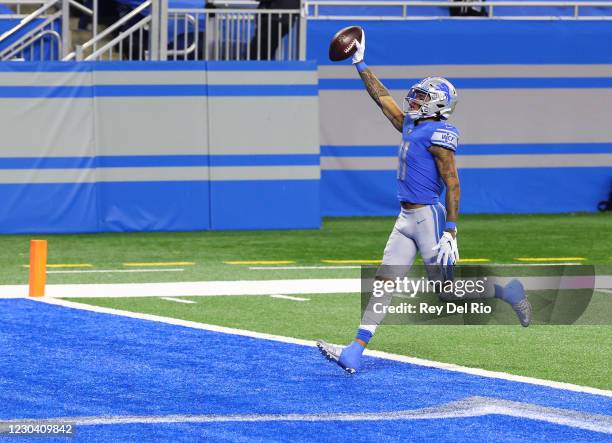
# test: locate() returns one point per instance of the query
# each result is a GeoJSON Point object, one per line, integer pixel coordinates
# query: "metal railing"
{"type": "Point", "coordinates": [33, 28]}
{"type": "Point", "coordinates": [233, 29]}
{"type": "Point", "coordinates": [44, 26]}
{"type": "Point", "coordinates": [408, 9]}
{"type": "Point", "coordinates": [153, 31]}
{"type": "Point", "coordinates": [43, 41]}
{"type": "Point", "coordinates": [129, 37]}
{"type": "Point", "coordinates": [236, 34]}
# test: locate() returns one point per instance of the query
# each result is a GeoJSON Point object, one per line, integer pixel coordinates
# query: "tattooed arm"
{"type": "Point", "coordinates": [383, 99]}
{"type": "Point", "coordinates": [445, 161]}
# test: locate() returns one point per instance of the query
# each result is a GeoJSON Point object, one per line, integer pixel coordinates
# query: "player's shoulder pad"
{"type": "Point", "coordinates": [445, 135]}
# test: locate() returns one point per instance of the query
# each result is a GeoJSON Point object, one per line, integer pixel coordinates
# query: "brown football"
{"type": "Point", "coordinates": [342, 45]}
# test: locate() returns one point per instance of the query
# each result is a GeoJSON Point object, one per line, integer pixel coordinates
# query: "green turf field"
{"type": "Point", "coordinates": [575, 354]}
{"type": "Point", "coordinates": [499, 238]}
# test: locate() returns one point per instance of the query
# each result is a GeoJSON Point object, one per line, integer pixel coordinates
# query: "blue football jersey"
{"type": "Point", "coordinates": [418, 180]}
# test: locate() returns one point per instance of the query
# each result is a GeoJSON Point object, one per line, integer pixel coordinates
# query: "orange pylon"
{"type": "Point", "coordinates": [38, 267]}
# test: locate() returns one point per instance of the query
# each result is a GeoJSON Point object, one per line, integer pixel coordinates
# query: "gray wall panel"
{"type": "Point", "coordinates": [46, 78]}
{"type": "Point", "coordinates": [475, 162]}
{"type": "Point", "coordinates": [358, 163]}
{"type": "Point", "coordinates": [149, 77]}
{"type": "Point", "coordinates": [103, 175]}
{"type": "Point", "coordinates": [151, 125]}
{"type": "Point", "coordinates": [534, 161]}
{"type": "Point", "coordinates": [198, 77]}
{"type": "Point", "coordinates": [25, 176]}
{"type": "Point", "coordinates": [262, 77]}
{"type": "Point", "coordinates": [349, 117]}
{"type": "Point", "coordinates": [46, 127]}
{"type": "Point", "coordinates": [468, 71]}
{"type": "Point", "coordinates": [152, 174]}
{"type": "Point", "coordinates": [534, 115]}
{"type": "Point", "coordinates": [352, 118]}
{"type": "Point", "coordinates": [265, 173]}
{"type": "Point", "coordinates": [263, 125]}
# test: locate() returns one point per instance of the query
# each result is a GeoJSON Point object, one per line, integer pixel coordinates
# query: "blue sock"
{"type": "Point", "coordinates": [499, 292]}
{"type": "Point", "coordinates": [364, 335]}
{"type": "Point", "coordinates": [512, 293]}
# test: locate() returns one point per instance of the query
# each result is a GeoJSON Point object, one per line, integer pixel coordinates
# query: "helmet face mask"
{"type": "Point", "coordinates": [433, 97]}
{"type": "Point", "coordinates": [415, 99]}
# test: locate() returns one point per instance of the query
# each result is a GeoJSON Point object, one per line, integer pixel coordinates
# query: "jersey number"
{"type": "Point", "coordinates": [401, 167]}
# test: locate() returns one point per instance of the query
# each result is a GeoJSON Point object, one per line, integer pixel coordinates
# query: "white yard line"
{"type": "Point", "coordinates": [203, 288]}
{"type": "Point", "coordinates": [267, 287]}
{"type": "Point", "coordinates": [288, 297]}
{"type": "Point", "coordinates": [177, 300]}
{"type": "Point", "coordinates": [469, 407]}
{"type": "Point", "coordinates": [297, 341]}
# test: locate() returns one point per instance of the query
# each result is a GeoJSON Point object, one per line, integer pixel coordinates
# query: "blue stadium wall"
{"type": "Point", "coordinates": [109, 146]}
{"type": "Point", "coordinates": [534, 112]}
{"type": "Point", "coordinates": [92, 147]}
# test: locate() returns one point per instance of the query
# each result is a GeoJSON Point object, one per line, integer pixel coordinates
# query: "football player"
{"type": "Point", "coordinates": [426, 164]}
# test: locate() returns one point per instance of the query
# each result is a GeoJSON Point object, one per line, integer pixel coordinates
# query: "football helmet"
{"type": "Point", "coordinates": [431, 97]}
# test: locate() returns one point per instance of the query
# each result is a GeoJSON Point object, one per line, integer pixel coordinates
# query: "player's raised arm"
{"type": "Point", "coordinates": [376, 89]}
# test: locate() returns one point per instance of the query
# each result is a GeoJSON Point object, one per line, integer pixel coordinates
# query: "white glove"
{"type": "Point", "coordinates": [448, 252]}
{"type": "Point", "coordinates": [360, 52]}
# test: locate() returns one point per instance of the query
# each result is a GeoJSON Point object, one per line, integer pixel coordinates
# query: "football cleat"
{"type": "Point", "coordinates": [347, 358]}
{"type": "Point", "coordinates": [514, 294]}
{"type": "Point", "coordinates": [523, 311]}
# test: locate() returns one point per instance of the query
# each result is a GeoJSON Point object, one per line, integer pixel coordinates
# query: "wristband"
{"type": "Point", "coordinates": [451, 225]}
{"type": "Point", "coordinates": [361, 66]}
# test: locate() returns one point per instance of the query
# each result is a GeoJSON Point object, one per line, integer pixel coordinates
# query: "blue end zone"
{"type": "Point", "coordinates": [482, 429]}
{"type": "Point", "coordinates": [265, 204]}
{"type": "Point", "coordinates": [59, 362]}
